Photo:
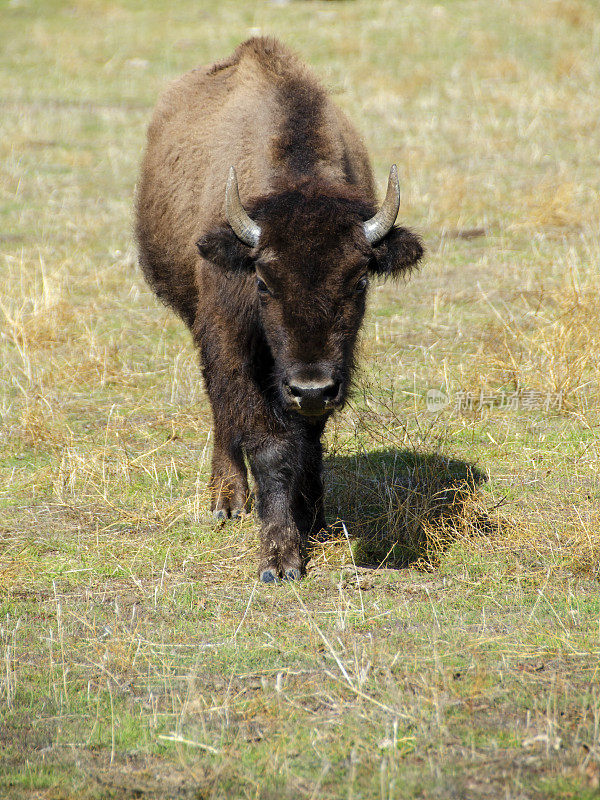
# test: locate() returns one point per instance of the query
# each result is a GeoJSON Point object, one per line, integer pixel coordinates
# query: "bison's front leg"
{"type": "Point", "coordinates": [276, 470]}
{"type": "Point", "coordinates": [308, 500]}
{"type": "Point", "coordinates": [289, 503]}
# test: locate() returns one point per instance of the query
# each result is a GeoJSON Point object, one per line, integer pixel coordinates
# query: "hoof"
{"type": "Point", "coordinates": [268, 576]}
{"type": "Point", "coordinates": [220, 514]}
{"type": "Point", "coordinates": [238, 513]}
{"type": "Point", "coordinates": [292, 574]}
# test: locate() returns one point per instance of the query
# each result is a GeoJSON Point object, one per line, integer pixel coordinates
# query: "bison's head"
{"type": "Point", "coordinates": [310, 252]}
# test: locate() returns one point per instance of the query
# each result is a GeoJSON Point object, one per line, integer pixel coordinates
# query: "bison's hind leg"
{"type": "Point", "coordinates": [229, 482]}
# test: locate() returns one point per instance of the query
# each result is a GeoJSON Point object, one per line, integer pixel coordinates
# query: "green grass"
{"type": "Point", "coordinates": [449, 646]}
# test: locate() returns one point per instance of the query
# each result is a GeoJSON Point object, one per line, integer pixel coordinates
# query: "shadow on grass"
{"type": "Point", "coordinates": [402, 507]}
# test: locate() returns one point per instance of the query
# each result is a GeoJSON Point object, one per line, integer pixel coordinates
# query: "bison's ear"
{"type": "Point", "coordinates": [221, 247]}
{"type": "Point", "coordinates": [399, 250]}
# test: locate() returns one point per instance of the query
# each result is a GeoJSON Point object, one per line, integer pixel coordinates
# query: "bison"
{"type": "Point", "coordinates": [257, 223]}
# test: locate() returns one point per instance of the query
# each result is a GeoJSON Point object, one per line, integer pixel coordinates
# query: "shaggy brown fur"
{"type": "Point", "coordinates": [276, 324]}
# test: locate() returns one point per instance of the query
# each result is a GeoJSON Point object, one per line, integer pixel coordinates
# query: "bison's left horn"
{"type": "Point", "coordinates": [381, 224]}
{"type": "Point", "coordinates": [244, 228]}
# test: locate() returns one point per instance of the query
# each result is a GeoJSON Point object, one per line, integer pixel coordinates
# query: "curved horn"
{"type": "Point", "coordinates": [244, 228]}
{"type": "Point", "coordinates": [381, 224]}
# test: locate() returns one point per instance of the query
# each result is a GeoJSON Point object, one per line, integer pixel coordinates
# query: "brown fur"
{"type": "Point", "coordinates": [305, 177]}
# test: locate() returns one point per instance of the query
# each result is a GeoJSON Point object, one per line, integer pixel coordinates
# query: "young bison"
{"type": "Point", "coordinates": [272, 285]}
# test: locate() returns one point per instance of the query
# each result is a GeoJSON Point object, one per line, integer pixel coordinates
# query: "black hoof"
{"type": "Point", "coordinates": [292, 574]}
{"type": "Point", "coordinates": [219, 514]}
{"type": "Point", "coordinates": [237, 513]}
{"type": "Point", "coordinates": [268, 576]}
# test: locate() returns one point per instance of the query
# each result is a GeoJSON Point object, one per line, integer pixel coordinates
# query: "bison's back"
{"type": "Point", "coordinates": [262, 111]}
{"type": "Point", "coordinates": [181, 188]}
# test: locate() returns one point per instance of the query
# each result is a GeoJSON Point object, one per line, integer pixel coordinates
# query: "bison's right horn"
{"type": "Point", "coordinates": [381, 224]}
{"type": "Point", "coordinates": [244, 228]}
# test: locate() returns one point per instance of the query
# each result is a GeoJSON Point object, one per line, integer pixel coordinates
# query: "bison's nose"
{"type": "Point", "coordinates": [312, 397]}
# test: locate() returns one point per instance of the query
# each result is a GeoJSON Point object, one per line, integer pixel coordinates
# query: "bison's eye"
{"type": "Point", "coordinates": [262, 287]}
{"type": "Point", "coordinates": [361, 285]}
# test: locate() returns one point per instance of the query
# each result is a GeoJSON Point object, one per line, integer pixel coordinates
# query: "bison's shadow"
{"type": "Point", "coordinates": [400, 506]}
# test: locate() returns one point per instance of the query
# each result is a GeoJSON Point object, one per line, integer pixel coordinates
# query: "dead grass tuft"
{"type": "Point", "coordinates": [550, 343]}
{"type": "Point", "coordinates": [470, 522]}
{"type": "Point", "coordinates": [404, 506]}
{"type": "Point", "coordinates": [553, 205]}
{"type": "Point", "coordinates": [35, 429]}
{"type": "Point", "coordinates": [569, 65]}
{"type": "Point", "coordinates": [575, 12]}
{"type": "Point", "coordinates": [44, 328]}
{"type": "Point", "coordinates": [535, 546]}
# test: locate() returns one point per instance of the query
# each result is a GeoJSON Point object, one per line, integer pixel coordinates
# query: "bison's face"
{"type": "Point", "coordinates": [311, 310]}
{"type": "Point", "coordinates": [309, 267]}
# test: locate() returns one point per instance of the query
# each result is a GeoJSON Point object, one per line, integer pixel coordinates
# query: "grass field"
{"type": "Point", "coordinates": [446, 641]}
